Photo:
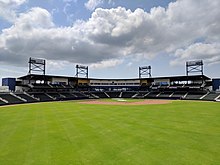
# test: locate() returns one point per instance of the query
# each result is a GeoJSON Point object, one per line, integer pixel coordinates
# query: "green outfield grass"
{"type": "Point", "coordinates": [183, 132]}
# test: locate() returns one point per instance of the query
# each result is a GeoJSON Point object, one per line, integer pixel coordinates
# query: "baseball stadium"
{"type": "Point", "coordinates": [52, 119]}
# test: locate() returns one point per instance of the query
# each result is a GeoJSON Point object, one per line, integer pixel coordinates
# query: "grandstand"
{"type": "Point", "coordinates": [41, 87]}
{"type": "Point", "coordinates": [29, 88]}
{"type": "Point", "coordinates": [67, 88]}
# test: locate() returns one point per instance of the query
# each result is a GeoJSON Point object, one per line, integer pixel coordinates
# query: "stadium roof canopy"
{"type": "Point", "coordinates": [172, 78]}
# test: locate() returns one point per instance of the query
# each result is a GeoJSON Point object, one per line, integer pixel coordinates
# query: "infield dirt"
{"type": "Point", "coordinates": [144, 102]}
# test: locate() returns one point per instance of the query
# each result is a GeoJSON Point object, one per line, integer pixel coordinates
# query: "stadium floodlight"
{"type": "Point", "coordinates": [82, 67]}
{"type": "Point", "coordinates": [82, 70]}
{"type": "Point", "coordinates": [194, 67]}
{"type": "Point", "coordinates": [37, 61]}
{"type": "Point", "coordinates": [144, 71]}
{"type": "Point", "coordinates": [194, 63]}
{"type": "Point", "coordinates": [37, 65]}
{"type": "Point", "coordinates": [145, 67]}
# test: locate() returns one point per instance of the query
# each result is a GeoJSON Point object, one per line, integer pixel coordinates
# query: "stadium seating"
{"type": "Point", "coordinates": [99, 94]}
{"type": "Point", "coordinates": [211, 96]}
{"type": "Point", "coordinates": [113, 94]}
{"type": "Point", "coordinates": [152, 94]}
{"type": "Point", "coordinates": [165, 94]}
{"type": "Point", "coordinates": [128, 94]}
{"type": "Point", "coordinates": [42, 96]}
{"type": "Point", "coordinates": [179, 94]}
{"type": "Point", "coordinates": [140, 94]}
{"type": "Point", "coordinates": [68, 95]}
{"type": "Point", "coordinates": [41, 86]}
{"type": "Point", "coordinates": [57, 96]}
{"type": "Point", "coordinates": [2, 102]}
{"type": "Point", "coordinates": [10, 98]}
{"type": "Point", "coordinates": [26, 97]}
{"type": "Point", "coordinates": [57, 86]}
{"type": "Point", "coordinates": [193, 85]}
{"type": "Point", "coordinates": [68, 86]}
{"type": "Point", "coordinates": [90, 95]}
{"type": "Point", "coordinates": [194, 95]}
{"type": "Point", "coordinates": [79, 95]}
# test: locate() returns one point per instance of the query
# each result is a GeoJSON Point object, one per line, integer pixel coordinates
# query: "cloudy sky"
{"type": "Point", "coordinates": [112, 37]}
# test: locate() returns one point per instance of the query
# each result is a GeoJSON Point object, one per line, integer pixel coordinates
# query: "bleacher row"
{"type": "Point", "coordinates": [50, 86]}
{"type": "Point", "coordinates": [21, 97]}
{"type": "Point", "coordinates": [30, 97]}
{"type": "Point", "coordinates": [193, 95]}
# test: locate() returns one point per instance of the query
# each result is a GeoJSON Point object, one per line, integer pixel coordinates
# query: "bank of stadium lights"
{"type": "Point", "coordinates": [37, 60]}
{"type": "Point", "coordinates": [144, 71]}
{"type": "Point", "coordinates": [194, 67]}
{"type": "Point", "coordinates": [82, 70]}
{"type": "Point", "coordinates": [37, 66]}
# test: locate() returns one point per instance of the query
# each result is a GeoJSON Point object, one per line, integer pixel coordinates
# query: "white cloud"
{"type": "Point", "coordinates": [6, 71]}
{"type": "Point", "coordinates": [68, 12]}
{"type": "Point", "coordinates": [209, 52]}
{"type": "Point", "coordinates": [54, 65]}
{"type": "Point", "coordinates": [92, 4]}
{"type": "Point", "coordinates": [116, 34]}
{"type": "Point", "coordinates": [54, 11]}
{"type": "Point", "coordinates": [8, 9]}
{"type": "Point", "coordinates": [106, 64]}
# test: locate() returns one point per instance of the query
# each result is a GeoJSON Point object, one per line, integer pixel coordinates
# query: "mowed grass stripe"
{"type": "Point", "coordinates": [14, 142]}
{"type": "Point", "coordinates": [183, 132]}
{"type": "Point", "coordinates": [65, 137]}
{"type": "Point", "coordinates": [39, 141]}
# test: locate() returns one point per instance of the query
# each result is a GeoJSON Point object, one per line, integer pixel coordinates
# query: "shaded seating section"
{"type": "Point", "coordinates": [195, 95]}
{"type": "Point", "coordinates": [100, 94]}
{"type": "Point", "coordinates": [80, 95]}
{"type": "Point", "coordinates": [41, 86]}
{"type": "Point", "coordinates": [173, 86]}
{"type": "Point", "coordinates": [2, 102]}
{"type": "Point", "coordinates": [154, 86]}
{"type": "Point", "coordinates": [152, 94]}
{"type": "Point", "coordinates": [42, 96]}
{"type": "Point", "coordinates": [56, 96]}
{"type": "Point", "coordinates": [128, 94]}
{"type": "Point", "coordinates": [68, 95]}
{"type": "Point", "coordinates": [162, 87]}
{"type": "Point", "coordinates": [141, 94]}
{"type": "Point", "coordinates": [57, 86]}
{"type": "Point", "coordinates": [211, 96]}
{"type": "Point", "coordinates": [67, 86]}
{"type": "Point", "coordinates": [26, 97]}
{"type": "Point", "coordinates": [166, 94]}
{"type": "Point", "coordinates": [193, 85]}
{"type": "Point", "coordinates": [10, 98]}
{"type": "Point", "coordinates": [89, 95]}
{"type": "Point", "coordinates": [179, 94]}
{"type": "Point", "coordinates": [113, 94]}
